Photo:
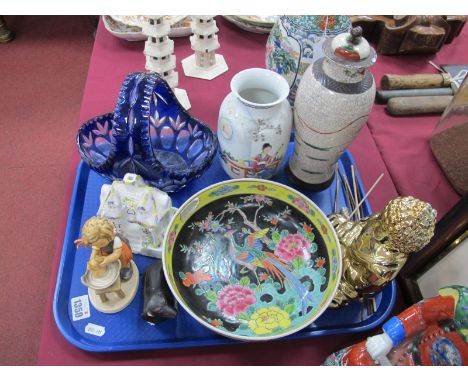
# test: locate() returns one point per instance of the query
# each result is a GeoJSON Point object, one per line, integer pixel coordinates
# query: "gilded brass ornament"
{"type": "Point", "coordinates": [375, 248]}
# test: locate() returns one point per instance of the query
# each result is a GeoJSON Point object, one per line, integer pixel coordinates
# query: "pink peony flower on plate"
{"type": "Point", "coordinates": [234, 300]}
{"type": "Point", "coordinates": [292, 246]}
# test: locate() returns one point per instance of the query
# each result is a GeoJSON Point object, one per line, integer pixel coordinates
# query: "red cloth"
{"type": "Point", "coordinates": [112, 59]}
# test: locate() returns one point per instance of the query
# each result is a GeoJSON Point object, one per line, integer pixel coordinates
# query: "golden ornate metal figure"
{"type": "Point", "coordinates": [375, 248]}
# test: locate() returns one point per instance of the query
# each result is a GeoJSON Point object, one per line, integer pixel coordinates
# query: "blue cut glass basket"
{"type": "Point", "coordinates": [149, 134]}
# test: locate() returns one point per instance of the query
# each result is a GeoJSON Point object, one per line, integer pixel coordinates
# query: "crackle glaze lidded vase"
{"type": "Point", "coordinates": [296, 41]}
{"type": "Point", "coordinates": [254, 124]}
{"type": "Point", "coordinates": [333, 102]}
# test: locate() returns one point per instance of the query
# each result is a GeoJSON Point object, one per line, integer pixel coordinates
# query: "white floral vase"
{"type": "Point", "coordinates": [254, 124]}
{"type": "Point", "coordinates": [333, 102]}
{"type": "Point", "coordinates": [296, 41]}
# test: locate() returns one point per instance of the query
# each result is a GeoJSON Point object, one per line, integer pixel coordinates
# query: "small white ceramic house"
{"type": "Point", "coordinates": [204, 63]}
{"type": "Point", "coordinates": [160, 57]}
{"type": "Point", "coordinates": [139, 212]}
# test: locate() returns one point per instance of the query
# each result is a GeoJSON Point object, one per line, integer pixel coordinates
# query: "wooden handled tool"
{"type": "Point", "coordinates": [415, 81]}
{"type": "Point", "coordinates": [384, 95]}
{"type": "Point", "coordinates": [418, 105]}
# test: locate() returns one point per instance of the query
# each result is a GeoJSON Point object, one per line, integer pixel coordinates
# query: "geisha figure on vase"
{"type": "Point", "coordinates": [264, 165]}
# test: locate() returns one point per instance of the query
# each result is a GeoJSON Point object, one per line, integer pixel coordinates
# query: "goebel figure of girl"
{"type": "Point", "coordinates": [111, 274]}
{"type": "Point", "coordinates": [107, 247]}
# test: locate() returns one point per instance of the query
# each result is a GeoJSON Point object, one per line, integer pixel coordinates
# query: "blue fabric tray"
{"type": "Point", "coordinates": [127, 331]}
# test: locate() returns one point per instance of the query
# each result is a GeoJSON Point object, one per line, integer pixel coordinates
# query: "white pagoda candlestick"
{"type": "Point", "coordinates": [204, 63]}
{"type": "Point", "coordinates": [160, 57]}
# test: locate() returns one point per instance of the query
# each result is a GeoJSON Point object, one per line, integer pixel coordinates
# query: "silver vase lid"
{"type": "Point", "coordinates": [350, 49]}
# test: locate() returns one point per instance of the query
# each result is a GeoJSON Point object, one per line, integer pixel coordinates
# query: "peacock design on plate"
{"type": "Point", "coordinates": [255, 264]}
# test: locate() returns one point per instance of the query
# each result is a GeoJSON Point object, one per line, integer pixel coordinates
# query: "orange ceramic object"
{"type": "Point", "coordinates": [430, 333]}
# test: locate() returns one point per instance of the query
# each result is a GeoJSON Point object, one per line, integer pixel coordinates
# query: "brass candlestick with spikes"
{"type": "Point", "coordinates": [375, 248]}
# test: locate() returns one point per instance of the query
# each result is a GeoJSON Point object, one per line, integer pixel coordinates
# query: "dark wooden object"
{"type": "Point", "coordinates": [414, 81]}
{"type": "Point", "coordinates": [6, 35]}
{"type": "Point", "coordinates": [418, 105]}
{"type": "Point", "coordinates": [450, 228]}
{"type": "Point", "coordinates": [382, 96]}
{"type": "Point", "coordinates": [409, 34]}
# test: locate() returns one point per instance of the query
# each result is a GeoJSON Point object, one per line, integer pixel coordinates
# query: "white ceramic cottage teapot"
{"type": "Point", "coordinates": [139, 212]}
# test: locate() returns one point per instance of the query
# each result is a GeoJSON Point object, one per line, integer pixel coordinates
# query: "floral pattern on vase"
{"type": "Point", "coordinates": [295, 42]}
